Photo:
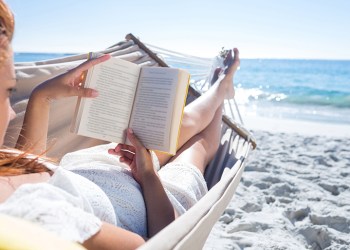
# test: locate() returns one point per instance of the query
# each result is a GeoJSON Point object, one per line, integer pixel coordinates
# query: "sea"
{"type": "Point", "coordinates": [312, 90]}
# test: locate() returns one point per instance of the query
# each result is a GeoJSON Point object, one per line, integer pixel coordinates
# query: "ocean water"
{"type": "Point", "coordinates": [316, 90]}
{"type": "Point", "coordinates": [31, 57]}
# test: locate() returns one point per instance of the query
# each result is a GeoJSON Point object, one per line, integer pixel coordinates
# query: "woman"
{"type": "Point", "coordinates": [96, 217]}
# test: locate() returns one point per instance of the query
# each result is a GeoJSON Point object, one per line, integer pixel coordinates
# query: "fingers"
{"type": "Point", "coordinates": [90, 63]}
{"type": "Point", "coordinates": [134, 140]}
{"type": "Point", "coordinates": [125, 152]}
{"type": "Point", "coordinates": [125, 160]}
{"type": "Point", "coordinates": [121, 146]}
{"type": "Point", "coordinates": [86, 92]}
{"type": "Point", "coordinates": [78, 73]}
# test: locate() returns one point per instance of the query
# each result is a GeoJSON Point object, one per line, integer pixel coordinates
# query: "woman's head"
{"type": "Point", "coordinates": [7, 75]}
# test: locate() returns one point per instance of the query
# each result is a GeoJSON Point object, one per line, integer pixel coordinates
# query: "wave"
{"type": "Point", "coordinates": [303, 97]}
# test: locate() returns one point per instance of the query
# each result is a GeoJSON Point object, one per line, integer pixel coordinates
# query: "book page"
{"type": "Point", "coordinates": [107, 116]}
{"type": "Point", "coordinates": [152, 114]}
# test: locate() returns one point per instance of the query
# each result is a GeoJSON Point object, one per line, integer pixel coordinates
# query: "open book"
{"type": "Point", "coordinates": [150, 100]}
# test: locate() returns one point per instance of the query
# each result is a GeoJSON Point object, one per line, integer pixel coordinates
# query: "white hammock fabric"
{"type": "Point", "coordinates": [191, 230]}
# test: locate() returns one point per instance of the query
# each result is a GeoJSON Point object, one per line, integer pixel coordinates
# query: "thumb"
{"type": "Point", "coordinates": [86, 92]}
{"type": "Point", "coordinates": [134, 140]}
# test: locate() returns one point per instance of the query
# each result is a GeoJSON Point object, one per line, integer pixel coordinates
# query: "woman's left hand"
{"type": "Point", "coordinates": [137, 157]}
{"type": "Point", "coordinates": [69, 83]}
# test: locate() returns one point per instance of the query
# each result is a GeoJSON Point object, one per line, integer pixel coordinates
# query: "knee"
{"type": "Point", "coordinates": [189, 120]}
{"type": "Point", "coordinates": [211, 147]}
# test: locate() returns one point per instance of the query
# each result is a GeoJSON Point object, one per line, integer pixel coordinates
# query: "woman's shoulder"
{"type": "Point", "coordinates": [8, 184]}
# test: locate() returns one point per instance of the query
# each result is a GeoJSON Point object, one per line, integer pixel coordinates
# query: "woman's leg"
{"type": "Point", "coordinates": [200, 149]}
{"type": "Point", "coordinates": [201, 112]}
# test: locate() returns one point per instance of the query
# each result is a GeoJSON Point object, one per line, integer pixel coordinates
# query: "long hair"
{"type": "Point", "coordinates": [14, 162]}
{"type": "Point", "coordinates": [7, 26]}
{"type": "Point", "coordinates": [7, 22]}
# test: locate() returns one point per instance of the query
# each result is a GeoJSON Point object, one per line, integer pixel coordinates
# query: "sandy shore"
{"type": "Point", "coordinates": [294, 193]}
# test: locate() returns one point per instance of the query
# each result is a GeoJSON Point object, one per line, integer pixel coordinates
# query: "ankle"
{"type": "Point", "coordinates": [227, 81]}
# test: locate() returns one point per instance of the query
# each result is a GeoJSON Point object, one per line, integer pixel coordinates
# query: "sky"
{"type": "Point", "coordinates": [305, 29]}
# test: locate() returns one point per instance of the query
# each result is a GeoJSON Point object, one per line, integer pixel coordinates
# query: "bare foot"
{"type": "Point", "coordinates": [232, 64]}
{"type": "Point", "coordinates": [225, 76]}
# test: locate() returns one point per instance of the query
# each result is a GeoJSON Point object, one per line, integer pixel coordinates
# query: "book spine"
{"type": "Point", "coordinates": [182, 115]}
{"type": "Point", "coordinates": [80, 102]}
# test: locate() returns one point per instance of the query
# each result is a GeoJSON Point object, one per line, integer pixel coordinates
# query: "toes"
{"type": "Point", "coordinates": [234, 61]}
{"type": "Point", "coordinates": [235, 52]}
{"type": "Point", "coordinates": [236, 55]}
{"type": "Point", "coordinates": [228, 58]}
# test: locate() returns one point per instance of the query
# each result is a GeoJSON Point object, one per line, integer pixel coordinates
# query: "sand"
{"type": "Point", "coordinates": [294, 193]}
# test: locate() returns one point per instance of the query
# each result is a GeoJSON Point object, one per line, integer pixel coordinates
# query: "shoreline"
{"type": "Point", "coordinates": [301, 127]}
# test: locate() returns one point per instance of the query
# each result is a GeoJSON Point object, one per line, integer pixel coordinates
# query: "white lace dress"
{"type": "Point", "coordinates": [73, 207]}
{"type": "Point", "coordinates": [183, 183]}
{"type": "Point", "coordinates": [68, 205]}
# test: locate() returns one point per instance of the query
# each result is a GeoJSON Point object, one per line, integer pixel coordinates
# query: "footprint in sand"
{"type": "Point", "coordinates": [316, 236]}
{"type": "Point", "coordinates": [249, 226]}
{"type": "Point", "coordinates": [271, 179]}
{"type": "Point", "coordinates": [283, 190]}
{"type": "Point", "coordinates": [297, 215]}
{"type": "Point", "coordinates": [262, 185]}
{"type": "Point", "coordinates": [321, 160]}
{"type": "Point", "coordinates": [319, 237]}
{"type": "Point", "coordinates": [333, 189]}
{"type": "Point", "coordinates": [255, 168]}
{"type": "Point", "coordinates": [344, 174]}
{"type": "Point", "coordinates": [338, 223]}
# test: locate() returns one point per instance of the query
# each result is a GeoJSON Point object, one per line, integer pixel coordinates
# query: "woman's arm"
{"type": "Point", "coordinates": [111, 237]}
{"type": "Point", "coordinates": [160, 211]}
{"type": "Point", "coordinates": [33, 135]}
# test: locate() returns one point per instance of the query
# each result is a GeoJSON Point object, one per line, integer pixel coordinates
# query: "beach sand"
{"type": "Point", "coordinates": [295, 191]}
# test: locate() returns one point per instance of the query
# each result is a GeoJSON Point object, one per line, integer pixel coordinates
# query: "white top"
{"type": "Point", "coordinates": [67, 204]}
{"type": "Point", "coordinates": [183, 183]}
{"type": "Point", "coordinates": [74, 207]}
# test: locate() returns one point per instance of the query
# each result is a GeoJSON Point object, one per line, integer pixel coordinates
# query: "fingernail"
{"type": "Point", "coordinates": [94, 93]}
{"type": "Point", "coordinates": [131, 131]}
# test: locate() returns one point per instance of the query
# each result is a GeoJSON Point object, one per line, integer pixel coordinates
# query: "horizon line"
{"type": "Point", "coordinates": [253, 58]}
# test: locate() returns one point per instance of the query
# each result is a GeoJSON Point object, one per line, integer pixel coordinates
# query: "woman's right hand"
{"type": "Point", "coordinates": [68, 84]}
{"type": "Point", "coordinates": [160, 211]}
{"type": "Point", "coordinates": [137, 157]}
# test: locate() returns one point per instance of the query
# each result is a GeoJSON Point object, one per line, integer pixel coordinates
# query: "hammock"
{"type": "Point", "coordinates": [223, 174]}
